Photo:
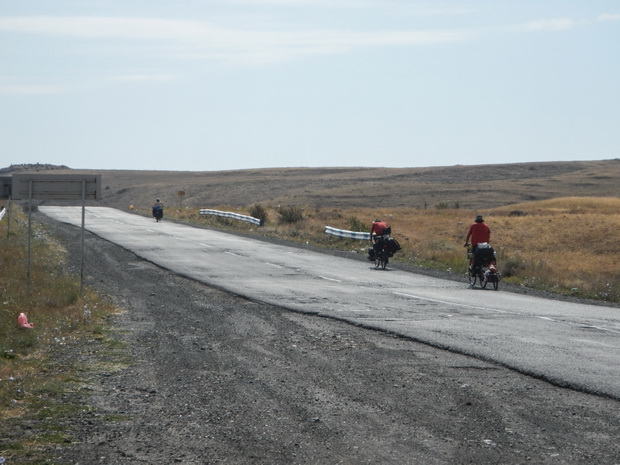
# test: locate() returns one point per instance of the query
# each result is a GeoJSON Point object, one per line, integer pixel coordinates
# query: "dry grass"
{"type": "Point", "coordinates": [565, 245]}
{"type": "Point", "coordinates": [568, 244]}
{"type": "Point", "coordinates": [31, 379]}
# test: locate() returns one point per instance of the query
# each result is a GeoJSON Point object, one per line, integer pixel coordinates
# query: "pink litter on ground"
{"type": "Point", "coordinates": [22, 320]}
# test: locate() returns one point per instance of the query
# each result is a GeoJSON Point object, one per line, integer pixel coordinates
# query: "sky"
{"type": "Point", "coordinates": [209, 85]}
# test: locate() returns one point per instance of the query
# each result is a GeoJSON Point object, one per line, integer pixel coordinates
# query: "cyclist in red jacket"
{"type": "Point", "coordinates": [377, 228]}
{"type": "Point", "coordinates": [376, 232]}
{"type": "Point", "coordinates": [478, 232]}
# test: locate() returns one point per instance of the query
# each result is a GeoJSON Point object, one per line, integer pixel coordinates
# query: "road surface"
{"type": "Point", "coordinates": [568, 344]}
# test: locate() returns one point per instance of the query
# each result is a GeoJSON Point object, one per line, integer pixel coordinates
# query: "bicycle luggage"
{"type": "Point", "coordinates": [393, 245]}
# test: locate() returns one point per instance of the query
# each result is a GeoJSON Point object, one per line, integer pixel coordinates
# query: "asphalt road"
{"type": "Point", "coordinates": [568, 344]}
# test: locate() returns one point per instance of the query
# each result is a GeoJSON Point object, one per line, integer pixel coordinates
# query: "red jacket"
{"type": "Point", "coordinates": [378, 227]}
{"type": "Point", "coordinates": [479, 232]}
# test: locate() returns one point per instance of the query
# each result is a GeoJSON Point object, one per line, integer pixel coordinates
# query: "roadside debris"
{"type": "Point", "coordinates": [22, 320]}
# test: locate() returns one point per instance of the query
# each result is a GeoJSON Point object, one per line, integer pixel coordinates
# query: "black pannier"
{"type": "Point", "coordinates": [484, 255]}
{"type": "Point", "coordinates": [486, 252]}
{"type": "Point", "coordinates": [393, 245]}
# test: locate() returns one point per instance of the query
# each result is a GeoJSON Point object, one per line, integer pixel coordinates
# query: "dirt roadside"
{"type": "Point", "coordinates": [219, 379]}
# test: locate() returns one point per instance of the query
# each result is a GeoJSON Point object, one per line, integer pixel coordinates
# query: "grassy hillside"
{"type": "Point", "coordinates": [468, 187]}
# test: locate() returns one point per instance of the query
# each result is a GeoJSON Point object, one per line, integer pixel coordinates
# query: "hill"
{"type": "Point", "coordinates": [469, 187]}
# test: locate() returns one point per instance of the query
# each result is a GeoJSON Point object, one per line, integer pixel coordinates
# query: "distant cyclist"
{"type": "Point", "coordinates": [158, 210]}
{"type": "Point", "coordinates": [478, 232]}
{"type": "Point", "coordinates": [377, 230]}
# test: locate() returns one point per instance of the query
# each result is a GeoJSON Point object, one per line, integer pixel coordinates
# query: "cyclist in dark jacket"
{"type": "Point", "coordinates": [158, 210]}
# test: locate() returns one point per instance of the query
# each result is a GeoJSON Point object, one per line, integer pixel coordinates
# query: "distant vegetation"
{"type": "Point", "coordinates": [260, 212]}
{"type": "Point", "coordinates": [32, 167]}
{"type": "Point", "coordinates": [290, 215]}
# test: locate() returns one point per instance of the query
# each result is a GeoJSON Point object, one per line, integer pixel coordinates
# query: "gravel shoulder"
{"type": "Point", "coordinates": [214, 378]}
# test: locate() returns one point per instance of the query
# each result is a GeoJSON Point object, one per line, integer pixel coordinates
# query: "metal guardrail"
{"type": "Point", "coordinates": [362, 236]}
{"type": "Point", "coordinates": [235, 216]}
{"type": "Point", "coordinates": [2, 212]}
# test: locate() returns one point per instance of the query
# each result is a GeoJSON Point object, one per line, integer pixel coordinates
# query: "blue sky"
{"type": "Point", "coordinates": [216, 85]}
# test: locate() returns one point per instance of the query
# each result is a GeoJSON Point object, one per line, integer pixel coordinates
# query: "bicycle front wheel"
{"type": "Point", "coordinates": [473, 277]}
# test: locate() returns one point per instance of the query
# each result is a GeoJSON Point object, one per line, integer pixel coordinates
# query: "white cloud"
{"type": "Point", "coordinates": [541, 25]}
{"type": "Point", "coordinates": [107, 27]}
{"type": "Point", "coordinates": [315, 3]}
{"type": "Point", "coordinates": [203, 39]}
{"type": "Point", "coordinates": [609, 17]}
{"type": "Point", "coordinates": [195, 39]}
{"type": "Point", "coordinates": [426, 8]}
{"type": "Point", "coordinates": [38, 90]}
{"type": "Point", "coordinates": [143, 78]}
